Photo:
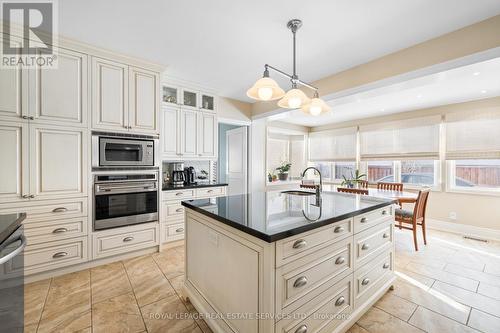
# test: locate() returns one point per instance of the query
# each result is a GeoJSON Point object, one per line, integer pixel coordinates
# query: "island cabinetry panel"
{"type": "Point", "coordinates": [367, 220]}
{"type": "Point", "coordinates": [370, 243]}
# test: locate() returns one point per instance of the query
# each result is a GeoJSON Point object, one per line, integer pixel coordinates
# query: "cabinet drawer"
{"type": "Point", "coordinates": [48, 210]}
{"type": "Point", "coordinates": [209, 192]}
{"type": "Point", "coordinates": [297, 280]}
{"type": "Point", "coordinates": [117, 241]}
{"type": "Point", "coordinates": [365, 221]}
{"type": "Point", "coordinates": [174, 232]}
{"type": "Point", "coordinates": [173, 209]}
{"type": "Point", "coordinates": [372, 276]}
{"type": "Point", "coordinates": [321, 315]}
{"type": "Point", "coordinates": [295, 247]}
{"type": "Point", "coordinates": [178, 194]}
{"type": "Point", "coordinates": [41, 232]}
{"type": "Point", "coordinates": [370, 243]}
{"type": "Point", "coordinates": [47, 256]}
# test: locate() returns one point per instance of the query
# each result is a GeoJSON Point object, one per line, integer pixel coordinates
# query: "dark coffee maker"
{"type": "Point", "coordinates": [189, 176]}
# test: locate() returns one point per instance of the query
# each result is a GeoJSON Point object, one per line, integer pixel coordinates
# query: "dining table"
{"type": "Point", "coordinates": [401, 196]}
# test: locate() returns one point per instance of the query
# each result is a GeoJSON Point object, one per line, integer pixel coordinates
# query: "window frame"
{"type": "Point", "coordinates": [452, 188]}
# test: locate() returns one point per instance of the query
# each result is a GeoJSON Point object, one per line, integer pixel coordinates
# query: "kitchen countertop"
{"type": "Point", "coordinates": [200, 185]}
{"type": "Point", "coordinates": [9, 223]}
{"type": "Point", "coordinates": [274, 215]}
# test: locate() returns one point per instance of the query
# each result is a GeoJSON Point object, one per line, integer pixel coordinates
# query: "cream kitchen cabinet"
{"type": "Point", "coordinates": [124, 98]}
{"type": "Point", "coordinates": [207, 135]}
{"type": "Point", "coordinates": [170, 129]}
{"type": "Point", "coordinates": [189, 133]}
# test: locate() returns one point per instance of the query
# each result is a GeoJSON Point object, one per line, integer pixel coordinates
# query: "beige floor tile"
{"type": "Point", "coordinates": [171, 263]}
{"type": "Point", "coordinates": [433, 300]}
{"type": "Point", "coordinates": [35, 295]}
{"type": "Point", "coordinates": [396, 306]}
{"type": "Point", "coordinates": [473, 274]}
{"type": "Point", "coordinates": [30, 328]}
{"type": "Point", "coordinates": [484, 322]}
{"type": "Point", "coordinates": [357, 329]}
{"type": "Point", "coordinates": [478, 301]}
{"type": "Point", "coordinates": [178, 284]}
{"type": "Point", "coordinates": [432, 322]}
{"type": "Point", "coordinates": [444, 276]}
{"type": "Point", "coordinates": [117, 314]}
{"type": "Point", "coordinates": [489, 290]}
{"type": "Point", "coordinates": [108, 281]}
{"type": "Point", "coordinates": [468, 260]}
{"type": "Point", "coordinates": [378, 321]}
{"type": "Point", "coordinates": [492, 269]}
{"type": "Point", "coordinates": [140, 265]}
{"type": "Point", "coordinates": [168, 315]}
{"type": "Point", "coordinates": [416, 278]}
{"type": "Point", "coordinates": [68, 283]}
{"type": "Point", "coordinates": [151, 288]}
{"type": "Point", "coordinates": [66, 320]}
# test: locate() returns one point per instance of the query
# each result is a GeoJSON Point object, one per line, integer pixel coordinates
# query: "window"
{"type": "Point", "coordinates": [380, 171]}
{"type": "Point", "coordinates": [333, 171]}
{"type": "Point", "coordinates": [347, 169]}
{"type": "Point", "coordinates": [419, 172]}
{"type": "Point", "coordinates": [325, 168]}
{"type": "Point", "coordinates": [283, 147]}
{"type": "Point", "coordinates": [475, 174]}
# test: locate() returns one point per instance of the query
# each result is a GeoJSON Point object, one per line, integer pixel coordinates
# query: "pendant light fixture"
{"type": "Point", "coordinates": [266, 89]}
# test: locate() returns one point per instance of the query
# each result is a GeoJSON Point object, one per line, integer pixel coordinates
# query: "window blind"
{"type": "Point", "coordinates": [473, 135]}
{"type": "Point", "coordinates": [333, 145]}
{"type": "Point", "coordinates": [405, 139]}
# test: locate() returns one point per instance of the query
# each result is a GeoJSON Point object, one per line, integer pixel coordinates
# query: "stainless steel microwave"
{"type": "Point", "coordinates": [122, 151]}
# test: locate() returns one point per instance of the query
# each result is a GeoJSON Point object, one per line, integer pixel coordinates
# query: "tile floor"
{"type": "Point", "coordinates": [451, 285]}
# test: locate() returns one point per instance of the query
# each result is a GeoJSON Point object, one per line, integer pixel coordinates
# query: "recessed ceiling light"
{"type": "Point", "coordinates": [476, 73]}
{"type": "Point", "coordinates": [484, 91]}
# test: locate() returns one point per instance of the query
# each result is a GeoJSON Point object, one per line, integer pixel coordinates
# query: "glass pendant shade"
{"type": "Point", "coordinates": [316, 107]}
{"type": "Point", "coordinates": [293, 99]}
{"type": "Point", "coordinates": [265, 89]}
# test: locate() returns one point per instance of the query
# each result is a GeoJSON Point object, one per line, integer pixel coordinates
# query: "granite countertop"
{"type": "Point", "coordinates": [274, 215]}
{"type": "Point", "coordinates": [9, 223]}
{"type": "Point", "coordinates": [170, 187]}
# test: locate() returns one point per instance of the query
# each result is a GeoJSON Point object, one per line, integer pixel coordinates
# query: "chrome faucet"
{"type": "Point", "coordinates": [319, 187]}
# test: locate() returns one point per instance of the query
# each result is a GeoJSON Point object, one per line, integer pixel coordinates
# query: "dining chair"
{"type": "Point", "coordinates": [352, 190]}
{"type": "Point", "coordinates": [363, 183]}
{"type": "Point", "coordinates": [390, 186]}
{"type": "Point", "coordinates": [414, 218]}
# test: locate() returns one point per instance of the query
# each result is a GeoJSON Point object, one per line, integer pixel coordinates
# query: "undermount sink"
{"type": "Point", "coordinates": [296, 192]}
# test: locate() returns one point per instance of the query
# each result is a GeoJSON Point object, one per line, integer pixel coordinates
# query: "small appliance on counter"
{"type": "Point", "coordinates": [190, 175]}
{"type": "Point", "coordinates": [176, 173]}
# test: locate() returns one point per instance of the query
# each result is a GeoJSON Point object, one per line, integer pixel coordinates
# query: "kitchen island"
{"type": "Point", "coordinates": [287, 261]}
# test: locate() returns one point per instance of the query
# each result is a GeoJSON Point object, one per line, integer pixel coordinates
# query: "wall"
{"type": "Point", "coordinates": [477, 210]}
{"type": "Point", "coordinates": [460, 43]}
{"type": "Point", "coordinates": [257, 158]}
{"type": "Point", "coordinates": [231, 109]}
{"type": "Point", "coordinates": [221, 163]}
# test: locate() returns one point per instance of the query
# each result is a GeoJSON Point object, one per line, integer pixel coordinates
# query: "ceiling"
{"type": "Point", "coordinates": [467, 83]}
{"type": "Point", "coordinates": [223, 44]}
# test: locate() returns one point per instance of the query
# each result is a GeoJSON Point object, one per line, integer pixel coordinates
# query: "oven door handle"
{"type": "Point", "coordinates": [100, 190]}
{"type": "Point", "coordinates": [14, 253]}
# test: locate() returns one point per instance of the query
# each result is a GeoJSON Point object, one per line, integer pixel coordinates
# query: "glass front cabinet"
{"type": "Point", "coordinates": [207, 102]}
{"type": "Point", "coordinates": [188, 98]}
{"type": "Point", "coordinates": [170, 95]}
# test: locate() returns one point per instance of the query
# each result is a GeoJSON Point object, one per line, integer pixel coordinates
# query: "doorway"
{"type": "Point", "coordinates": [232, 164]}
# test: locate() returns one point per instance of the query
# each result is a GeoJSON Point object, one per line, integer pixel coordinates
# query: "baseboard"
{"type": "Point", "coordinates": [464, 229]}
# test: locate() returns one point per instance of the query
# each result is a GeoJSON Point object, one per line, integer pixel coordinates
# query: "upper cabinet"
{"type": "Point", "coordinates": [124, 98]}
{"type": "Point", "coordinates": [207, 134]}
{"type": "Point", "coordinates": [207, 102]}
{"type": "Point", "coordinates": [13, 101]}
{"type": "Point", "coordinates": [170, 95]}
{"type": "Point", "coordinates": [189, 98]}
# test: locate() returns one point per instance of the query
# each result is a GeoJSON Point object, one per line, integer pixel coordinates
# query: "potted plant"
{"type": "Point", "coordinates": [283, 170]}
{"type": "Point", "coordinates": [354, 180]}
{"type": "Point", "coordinates": [270, 177]}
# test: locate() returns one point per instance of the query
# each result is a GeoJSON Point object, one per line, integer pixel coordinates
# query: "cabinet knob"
{"type": "Point", "coordinates": [363, 220]}
{"type": "Point", "coordinates": [301, 329]}
{"type": "Point", "coordinates": [385, 235]}
{"type": "Point", "coordinates": [128, 239]}
{"type": "Point", "coordinates": [340, 301]}
{"type": "Point", "coordinates": [365, 281]}
{"type": "Point", "coordinates": [25, 117]}
{"type": "Point", "coordinates": [178, 193]}
{"type": "Point", "coordinates": [60, 255]}
{"type": "Point", "coordinates": [31, 118]}
{"type": "Point", "coordinates": [338, 230]}
{"type": "Point", "coordinates": [340, 260]}
{"type": "Point", "coordinates": [179, 230]}
{"type": "Point", "coordinates": [300, 282]}
{"type": "Point", "coordinates": [384, 212]}
{"type": "Point", "coordinates": [25, 196]}
{"type": "Point", "coordinates": [179, 210]}
{"type": "Point", "coordinates": [59, 230]}
{"type": "Point", "coordinates": [299, 244]}
{"type": "Point", "coordinates": [386, 265]}
{"type": "Point", "coordinates": [32, 196]}
{"type": "Point", "coordinates": [59, 210]}
{"type": "Point", "coordinates": [365, 247]}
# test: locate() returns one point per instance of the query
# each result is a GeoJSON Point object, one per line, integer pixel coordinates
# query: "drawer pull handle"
{"type": "Point", "coordinates": [384, 212]}
{"type": "Point", "coordinates": [386, 265]}
{"type": "Point", "coordinates": [60, 255]}
{"type": "Point", "coordinates": [365, 282]}
{"type": "Point", "coordinates": [128, 239]}
{"type": "Point", "coordinates": [178, 193]}
{"type": "Point", "coordinates": [25, 196]}
{"type": "Point", "coordinates": [210, 191]}
{"type": "Point", "coordinates": [300, 282]}
{"type": "Point", "coordinates": [32, 196]}
{"type": "Point", "coordinates": [299, 244]}
{"type": "Point", "coordinates": [59, 210]}
{"type": "Point", "coordinates": [365, 247]}
{"type": "Point", "coordinates": [363, 220]}
{"type": "Point", "coordinates": [59, 230]}
{"type": "Point", "coordinates": [338, 230]}
{"type": "Point", "coordinates": [340, 301]}
{"type": "Point", "coordinates": [301, 329]}
{"type": "Point", "coordinates": [179, 230]}
{"type": "Point", "coordinates": [340, 260]}
{"type": "Point", "coordinates": [179, 210]}
{"type": "Point", "coordinates": [385, 235]}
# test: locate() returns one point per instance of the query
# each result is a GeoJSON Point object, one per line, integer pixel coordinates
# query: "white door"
{"type": "Point", "coordinates": [14, 164]}
{"type": "Point", "coordinates": [60, 95]}
{"type": "Point", "coordinates": [207, 135]}
{"type": "Point", "coordinates": [237, 167]}
{"type": "Point", "coordinates": [144, 100]}
{"type": "Point", "coordinates": [57, 161]}
{"type": "Point", "coordinates": [170, 132]}
{"type": "Point", "coordinates": [13, 100]}
{"type": "Point", "coordinates": [110, 95]}
{"type": "Point", "coordinates": [189, 132]}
